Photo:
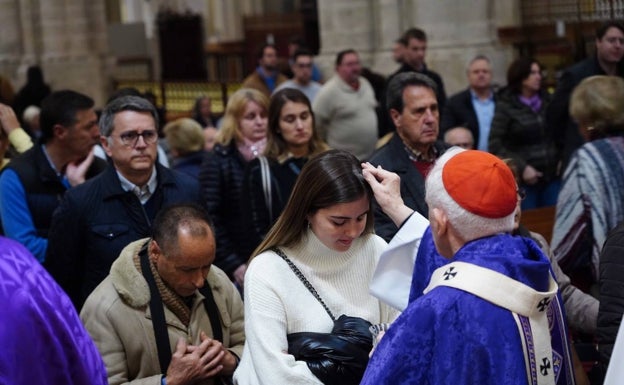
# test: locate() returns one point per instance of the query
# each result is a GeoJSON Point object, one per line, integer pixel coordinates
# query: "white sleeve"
{"type": "Point", "coordinates": [265, 359]}
{"type": "Point", "coordinates": [392, 280]}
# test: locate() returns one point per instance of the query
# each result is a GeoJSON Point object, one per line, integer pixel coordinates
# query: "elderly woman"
{"type": "Point", "coordinates": [591, 202]}
{"type": "Point", "coordinates": [241, 139]}
{"type": "Point", "coordinates": [519, 132]}
{"type": "Point", "coordinates": [186, 142]}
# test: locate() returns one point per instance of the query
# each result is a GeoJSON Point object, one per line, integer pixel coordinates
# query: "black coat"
{"type": "Point", "coordinates": [611, 292]}
{"type": "Point", "coordinates": [558, 117]}
{"type": "Point", "coordinates": [521, 134]}
{"type": "Point", "coordinates": [459, 111]}
{"type": "Point", "coordinates": [283, 178]}
{"type": "Point", "coordinates": [393, 157]}
{"type": "Point", "coordinates": [97, 219]}
{"type": "Point", "coordinates": [221, 179]}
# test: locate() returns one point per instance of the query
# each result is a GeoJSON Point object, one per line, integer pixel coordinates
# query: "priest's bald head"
{"type": "Point", "coordinates": [471, 194]}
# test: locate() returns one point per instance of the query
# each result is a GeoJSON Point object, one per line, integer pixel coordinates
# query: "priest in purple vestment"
{"type": "Point", "coordinates": [42, 338]}
{"type": "Point", "coordinates": [492, 314]}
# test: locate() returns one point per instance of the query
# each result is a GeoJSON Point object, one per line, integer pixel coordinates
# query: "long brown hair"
{"type": "Point", "coordinates": [328, 179]}
{"type": "Point", "coordinates": [277, 147]}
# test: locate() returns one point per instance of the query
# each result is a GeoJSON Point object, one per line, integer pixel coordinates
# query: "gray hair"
{"type": "Point", "coordinates": [469, 226]}
{"type": "Point", "coordinates": [478, 57]}
{"type": "Point", "coordinates": [124, 103]}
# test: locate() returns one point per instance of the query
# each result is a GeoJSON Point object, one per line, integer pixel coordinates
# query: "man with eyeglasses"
{"type": "Point", "coordinates": [32, 184]}
{"type": "Point", "coordinates": [302, 75]}
{"type": "Point", "coordinates": [94, 223]}
{"type": "Point", "coordinates": [606, 61]}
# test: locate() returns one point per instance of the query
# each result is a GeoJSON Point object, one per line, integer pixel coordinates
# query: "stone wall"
{"type": "Point", "coordinates": [457, 31]}
{"type": "Point", "coordinates": [67, 39]}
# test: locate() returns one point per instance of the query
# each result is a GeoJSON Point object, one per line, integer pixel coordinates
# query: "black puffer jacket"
{"type": "Point", "coordinates": [519, 133]}
{"type": "Point", "coordinates": [611, 292]}
{"type": "Point", "coordinates": [221, 178]}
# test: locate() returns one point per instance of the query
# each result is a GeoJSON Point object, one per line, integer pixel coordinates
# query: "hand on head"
{"type": "Point", "coordinates": [386, 187]}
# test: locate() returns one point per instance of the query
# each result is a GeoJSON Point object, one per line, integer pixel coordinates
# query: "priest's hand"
{"type": "Point", "coordinates": [386, 186]}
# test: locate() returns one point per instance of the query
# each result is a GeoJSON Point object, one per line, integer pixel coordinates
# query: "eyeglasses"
{"type": "Point", "coordinates": [521, 193]}
{"type": "Point", "coordinates": [131, 138]}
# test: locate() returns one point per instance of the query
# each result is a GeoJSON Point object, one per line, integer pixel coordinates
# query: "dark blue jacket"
{"type": "Point", "coordinates": [97, 219]}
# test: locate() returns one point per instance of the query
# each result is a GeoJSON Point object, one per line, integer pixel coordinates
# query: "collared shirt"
{"type": "Point", "coordinates": [59, 174]}
{"type": "Point", "coordinates": [423, 162]}
{"type": "Point", "coordinates": [485, 113]}
{"type": "Point", "coordinates": [144, 193]}
{"type": "Point", "coordinates": [418, 156]}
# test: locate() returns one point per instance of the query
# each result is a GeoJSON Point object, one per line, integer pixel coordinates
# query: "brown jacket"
{"type": "Point", "coordinates": [255, 81]}
{"type": "Point", "coordinates": [118, 318]}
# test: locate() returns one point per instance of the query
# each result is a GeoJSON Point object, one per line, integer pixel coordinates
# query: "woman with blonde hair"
{"type": "Point", "coordinates": [291, 141]}
{"type": "Point", "coordinates": [241, 139]}
{"type": "Point", "coordinates": [325, 233]}
{"type": "Point", "coordinates": [186, 142]}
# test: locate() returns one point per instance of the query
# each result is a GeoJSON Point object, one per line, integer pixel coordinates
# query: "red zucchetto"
{"type": "Point", "coordinates": [480, 183]}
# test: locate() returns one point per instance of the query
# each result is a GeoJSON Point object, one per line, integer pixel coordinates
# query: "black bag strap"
{"type": "Point", "coordinates": [213, 312]}
{"type": "Point", "coordinates": [158, 313]}
{"type": "Point", "coordinates": [304, 280]}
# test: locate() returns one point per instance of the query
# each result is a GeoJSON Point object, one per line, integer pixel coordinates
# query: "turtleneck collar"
{"type": "Point", "coordinates": [310, 251]}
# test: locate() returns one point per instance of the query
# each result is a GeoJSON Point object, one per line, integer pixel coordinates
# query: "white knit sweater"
{"type": "Point", "coordinates": [277, 303]}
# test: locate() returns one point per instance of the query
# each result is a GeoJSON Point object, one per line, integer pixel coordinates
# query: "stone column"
{"type": "Point", "coordinates": [70, 45]}
{"type": "Point", "coordinates": [346, 24]}
{"type": "Point", "coordinates": [11, 47]}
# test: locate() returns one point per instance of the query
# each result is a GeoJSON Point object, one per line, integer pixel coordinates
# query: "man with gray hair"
{"type": "Point", "coordinates": [484, 307]}
{"type": "Point", "coordinates": [473, 107]}
{"type": "Point", "coordinates": [412, 104]}
{"type": "Point", "coordinates": [94, 223]}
